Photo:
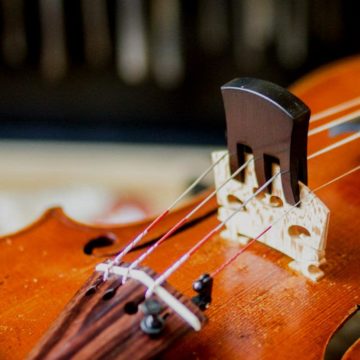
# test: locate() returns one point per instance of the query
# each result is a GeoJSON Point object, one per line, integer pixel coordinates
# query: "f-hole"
{"type": "Point", "coordinates": [347, 333]}
{"type": "Point", "coordinates": [101, 241]}
{"type": "Point", "coordinates": [269, 161]}
{"type": "Point", "coordinates": [241, 150]}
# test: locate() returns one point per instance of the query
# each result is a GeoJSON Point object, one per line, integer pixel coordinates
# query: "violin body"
{"type": "Point", "coordinates": [260, 309]}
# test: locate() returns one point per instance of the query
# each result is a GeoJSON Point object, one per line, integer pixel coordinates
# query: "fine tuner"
{"type": "Point", "coordinates": [262, 199]}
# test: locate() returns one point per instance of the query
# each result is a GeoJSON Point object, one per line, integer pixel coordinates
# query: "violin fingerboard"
{"type": "Point", "coordinates": [98, 325]}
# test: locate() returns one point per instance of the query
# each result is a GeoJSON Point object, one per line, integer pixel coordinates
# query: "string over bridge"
{"type": "Point", "coordinates": [268, 124]}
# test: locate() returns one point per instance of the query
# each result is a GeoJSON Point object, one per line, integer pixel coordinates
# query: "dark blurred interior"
{"type": "Point", "coordinates": [150, 71]}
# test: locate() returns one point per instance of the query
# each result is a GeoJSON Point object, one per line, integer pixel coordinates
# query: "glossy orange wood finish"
{"type": "Point", "coordinates": [43, 266]}
{"type": "Point", "coordinates": [260, 310]}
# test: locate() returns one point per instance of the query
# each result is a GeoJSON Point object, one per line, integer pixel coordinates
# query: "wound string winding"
{"type": "Point", "coordinates": [316, 117]}
{"type": "Point", "coordinates": [139, 237]}
{"type": "Point", "coordinates": [201, 242]}
{"type": "Point", "coordinates": [186, 218]}
{"type": "Point", "coordinates": [188, 254]}
{"type": "Point", "coordinates": [311, 195]}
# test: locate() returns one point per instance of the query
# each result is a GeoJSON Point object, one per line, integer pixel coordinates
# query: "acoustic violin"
{"type": "Point", "coordinates": [264, 266]}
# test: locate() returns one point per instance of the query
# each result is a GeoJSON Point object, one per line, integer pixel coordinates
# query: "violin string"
{"type": "Point", "coordinates": [201, 242]}
{"type": "Point", "coordinates": [327, 149]}
{"type": "Point", "coordinates": [316, 117]}
{"type": "Point", "coordinates": [343, 119]}
{"type": "Point", "coordinates": [322, 151]}
{"type": "Point", "coordinates": [335, 145]}
{"type": "Point", "coordinates": [140, 236]}
{"type": "Point", "coordinates": [311, 195]}
{"type": "Point", "coordinates": [182, 221]}
{"type": "Point", "coordinates": [335, 109]}
{"type": "Point", "coordinates": [325, 113]}
{"type": "Point", "coordinates": [185, 257]}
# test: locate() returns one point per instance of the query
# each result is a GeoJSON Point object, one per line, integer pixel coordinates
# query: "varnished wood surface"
{"type": "Point", "coordinates": [43, 266]}
{"type": "Point", "coordinates": [261, 310]}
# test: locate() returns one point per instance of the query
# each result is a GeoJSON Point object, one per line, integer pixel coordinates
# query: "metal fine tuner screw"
{"type": "Point", "coordinates": [152, 323]}
{"type": "Point", "coordinates": [203, 286]}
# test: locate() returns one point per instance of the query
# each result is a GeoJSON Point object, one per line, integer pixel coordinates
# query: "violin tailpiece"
{"type": "Point", "coordinates": [269, 125]}
{"type": "Point", "coordinates": [148, 281]}
{"type": "Point", "coordinates": [103, 320]}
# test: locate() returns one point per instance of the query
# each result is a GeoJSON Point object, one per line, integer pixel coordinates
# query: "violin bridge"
{"type": "Point", "coordinates": [300, 234]}
{"type": "Point", "coordinates": [268, 124]}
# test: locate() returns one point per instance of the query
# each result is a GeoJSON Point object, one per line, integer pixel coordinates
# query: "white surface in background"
{"type": "Point", "coordinates": [87, 179]}
{"type": "Point", "coordinates": [17, 209]}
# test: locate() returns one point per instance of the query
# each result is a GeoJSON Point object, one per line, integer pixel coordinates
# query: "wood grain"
{"type": "Point", "coordinates": [261, 310]}
{"type": "Point", "coordinates": [95, 327]}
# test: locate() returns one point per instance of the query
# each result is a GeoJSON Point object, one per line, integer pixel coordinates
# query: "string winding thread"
{"type": "Point", "coordinates": [139, 237]}
{"type": "Point", "coordinates": [316, 117]}
{"type": "Point", "coordinates": [188, 254]}
{"type": "Point", "coordinates": [311, 198]}
{"type": "Point", "coordinates": [185, 219]}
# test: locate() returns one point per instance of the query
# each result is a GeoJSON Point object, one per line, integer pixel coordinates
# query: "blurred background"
{"type": "Point", "coordinates": [110, 108]}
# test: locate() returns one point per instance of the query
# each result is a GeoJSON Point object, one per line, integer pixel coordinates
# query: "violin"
{"type": "Point", "coordinates": [267, 267]}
